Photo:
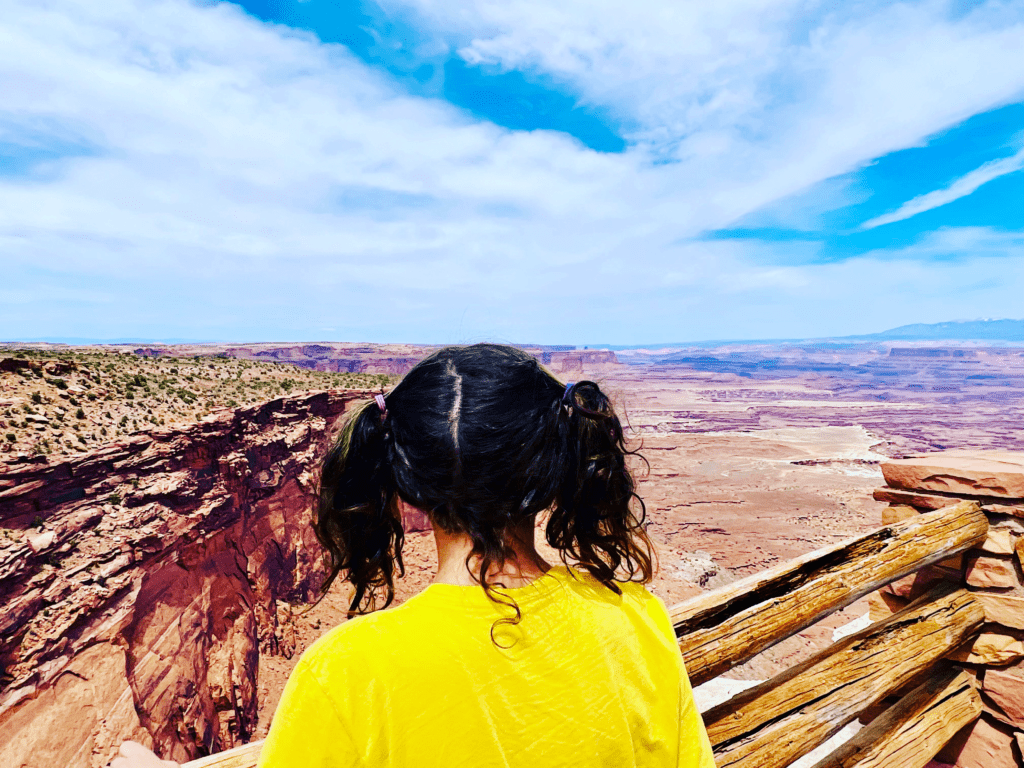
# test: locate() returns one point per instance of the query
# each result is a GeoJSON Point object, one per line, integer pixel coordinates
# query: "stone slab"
{"type": "Point", "coordinates": [996, 474]}
{"type": "Point", "coordinates": [992, 571]}
{"type": "Point", "coordinates": [882, 605]}
{"type": "Point", "coordinates": [1007, 610]}
{"type": "Point", "coordinates": [980, 745]}
{"type": "Point", "coordinates": [990, 648]}
{"type": "Point", "coordinates": [1006, 690]}
{"type": "Point", "coordinates": [929, 501]}
{"type": "Point", "coordinates": [1000, 541]}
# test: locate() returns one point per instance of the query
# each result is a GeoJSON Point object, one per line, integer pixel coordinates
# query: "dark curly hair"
{"type": "Point", "coordinates": [482, 438]}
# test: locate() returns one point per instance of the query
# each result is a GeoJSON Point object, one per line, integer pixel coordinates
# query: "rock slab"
{"type": "Point", "coordinates": [997, 474]}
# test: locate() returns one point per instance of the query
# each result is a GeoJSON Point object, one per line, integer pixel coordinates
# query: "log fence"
{"type": "Point", "coordinates": [905, 654]}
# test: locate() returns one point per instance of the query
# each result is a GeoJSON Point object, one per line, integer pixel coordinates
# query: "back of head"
{"type": "Point", "coordinates": [482, 438]}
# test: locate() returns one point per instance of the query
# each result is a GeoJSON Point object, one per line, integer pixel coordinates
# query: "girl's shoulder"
{"type": "Point", "coordinates": [359, 641]}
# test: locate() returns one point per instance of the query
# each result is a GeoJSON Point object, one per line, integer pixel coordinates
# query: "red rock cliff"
{"type": "Point", "coordinates": [140, 583]}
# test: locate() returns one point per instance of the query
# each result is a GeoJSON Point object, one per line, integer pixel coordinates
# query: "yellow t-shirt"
{"type": "Point", "coordinates": [593, 679]}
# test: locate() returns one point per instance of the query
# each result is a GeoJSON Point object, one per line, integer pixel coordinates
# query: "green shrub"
{"type": "Point", "coordinates": [11, 437]}
{"type": "Point", "coordinates": [79, 414]}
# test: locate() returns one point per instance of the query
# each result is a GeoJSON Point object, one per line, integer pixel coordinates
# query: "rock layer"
{"type": "Point", "coordinates": [140, 583]}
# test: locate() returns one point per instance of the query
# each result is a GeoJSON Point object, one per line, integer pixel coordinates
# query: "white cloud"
{"type": "Point", "coordinates": [962, 187]}
{"type": "Point", "coordinates": [767, 95]}
{"type": "Point", "coordinates": [249, 182]}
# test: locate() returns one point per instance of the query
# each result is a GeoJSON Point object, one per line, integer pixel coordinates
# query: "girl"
{"type": "Point", "coordinates": [504, 659]}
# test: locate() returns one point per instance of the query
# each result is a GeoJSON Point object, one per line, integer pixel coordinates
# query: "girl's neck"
{"type": "Point", "coordinates": [452, 549]}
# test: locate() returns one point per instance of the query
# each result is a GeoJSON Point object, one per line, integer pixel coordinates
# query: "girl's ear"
{"type": "Point", "coordinates": [413, 518]}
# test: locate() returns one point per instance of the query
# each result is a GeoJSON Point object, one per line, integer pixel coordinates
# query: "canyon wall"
{"type": "Point", "coordinates": [140, 583]}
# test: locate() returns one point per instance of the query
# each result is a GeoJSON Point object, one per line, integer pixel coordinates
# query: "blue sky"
{"type": "Point", "coordinates": [581, 172]}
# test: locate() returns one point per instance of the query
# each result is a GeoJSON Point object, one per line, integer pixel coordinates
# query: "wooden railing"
{"type": "Point", "coordinates": [784, 718]}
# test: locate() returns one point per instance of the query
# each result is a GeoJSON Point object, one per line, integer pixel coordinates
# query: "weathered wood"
{"type": "Point", "coordinates": [244, 756]}
{"type": "Point", "coordinates": [911, 732]}
{"type": "Point", "coordinates": [776, 722]}
{"type": "Point", "coordinates": [727, 626]}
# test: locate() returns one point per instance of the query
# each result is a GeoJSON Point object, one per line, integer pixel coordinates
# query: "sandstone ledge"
{"type": "Point", "coordinates": [996, 474]}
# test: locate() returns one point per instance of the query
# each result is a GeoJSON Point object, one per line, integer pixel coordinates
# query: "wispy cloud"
{"type": "Point", "coordinates": [962, 187]}
{"type": "Point", "coordinates": [246, 181]}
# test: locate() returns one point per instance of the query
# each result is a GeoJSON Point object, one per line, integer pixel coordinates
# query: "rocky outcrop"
{"type": "Point", "coordinates": [998, 474]}
{"type": "Point", "coordinates": [580, 360]}
{"type": "Point", "coordinates": [991, 572]}
{"type": "Point", "coordinates": [140, 583]}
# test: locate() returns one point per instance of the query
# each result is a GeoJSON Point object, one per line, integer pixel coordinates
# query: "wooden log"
{"type": "Point", "coordinates": [244, 756]}
{"type": "Point", "coordinates": [779, 720]}
{"type": "Point", "coordinates": [912, 732]}
{"type": "Point", "coordinates": [727, 626]}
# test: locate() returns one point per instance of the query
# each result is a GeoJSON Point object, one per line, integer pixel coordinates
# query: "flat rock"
{"type": "Point", "coordinates": [1006, 690]}
{"type": "Point", "coordinates": [882, 605]}
{"type": "Point", "coordinates": [999, 542]}
{"type": "Point", "coordinates": [995, 648]}
{"type": "Point", "coordinates": [916, 584]}
{"type": "Point", "coordinates": [980, 745]}
{"type": "Point", "coordinates": [1007, 610]}
{"type": "Point", "coordinates": [991, 571]}
{"type": "Point", "coordinates": [998, 474]}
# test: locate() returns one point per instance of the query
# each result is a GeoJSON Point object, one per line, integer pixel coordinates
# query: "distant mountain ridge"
{"type": "Point", "coordinates": [952, 330]}
{"type": "Point", "coordinates": [955, 330]}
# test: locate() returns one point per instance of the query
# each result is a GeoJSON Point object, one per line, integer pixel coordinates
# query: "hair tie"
{"type": "Point", "coordinates": [569, 399]}
{"type": "Point", "coordinates": [383, 407]}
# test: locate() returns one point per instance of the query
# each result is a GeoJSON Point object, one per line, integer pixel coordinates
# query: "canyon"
{"type": "Point", "coordinates": [141, 582]}
{"type": "Point", "coordinates": [160, 586]}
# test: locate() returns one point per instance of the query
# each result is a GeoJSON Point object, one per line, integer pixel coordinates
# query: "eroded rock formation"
{"type": "Point", "coordinates": [139, 583]}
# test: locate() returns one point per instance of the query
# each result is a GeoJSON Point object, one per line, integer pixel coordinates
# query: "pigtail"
{"type": "Point", "coordinates": [357, 520]}
{"type": "Point", "coordinates": [593, 519]}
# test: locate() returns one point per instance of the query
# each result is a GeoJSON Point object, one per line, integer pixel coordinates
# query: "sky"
{"type": "Point", "coordinates": [579, 172]}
